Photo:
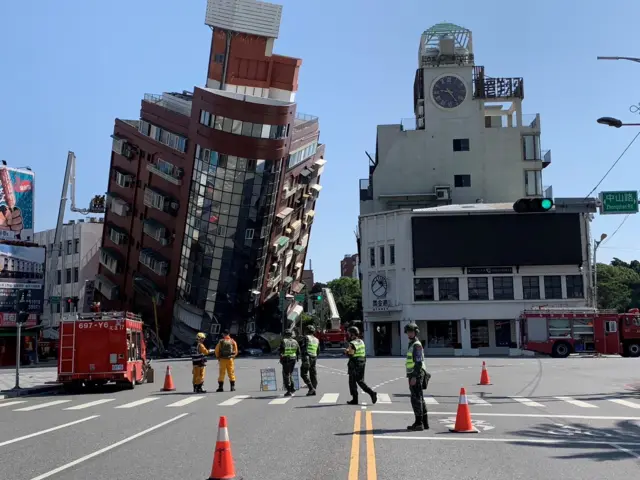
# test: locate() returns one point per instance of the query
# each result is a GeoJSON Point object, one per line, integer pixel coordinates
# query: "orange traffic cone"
{"type": "Point", "coordinates": [223, 468]}
{"type": "Point", "coordinates": [484, 376]}
{"type": "Point", "coordinates": [463, 417]}
{"type": "Point", "coordinates": [168, 381]}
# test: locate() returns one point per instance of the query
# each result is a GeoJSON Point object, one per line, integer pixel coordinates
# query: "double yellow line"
{"type": "Point", "coordinates": [354, 461]}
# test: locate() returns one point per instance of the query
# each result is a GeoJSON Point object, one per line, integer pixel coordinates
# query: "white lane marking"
{"type": "Point", "coordinates": [577, 403]}
{"type": "Point", "coordinates": [233, 400]}
{"type": "Point", "coordinates": [550, 441]}
{"type": "Point", "coordinates": [429, 400]}
{"type": "Point", "coordinates": [619, 401]}
{"type": "Point", "coordinates": [41, 405]}
{"type": "Point", "coordinates": [66, 466]}
{"type": "Point", "coordinates": [513, 415]}
{"type": "Point", "coordinates": [186, 401]}
{"type": "Point", "coordinates": [329, 398]}
{"type": "Point", "coordinates": [15, 402]}
{"type": "Point", "coordinates": [279, 401]}
{"type": "Point", "coordinates": [475, 400]}
{"type": "Point", "coordinates": [48, 430]}
{"type": "Point", "coordinates": [142, 401]}
{"type": "Point", "coordinates": [625, 450]}
{"type": "Point", "coordinates": [528, 402]}
{"type": "Point", "coordinates": [82, 406]}
{"type": "Point", "coordinates": [384, 398]}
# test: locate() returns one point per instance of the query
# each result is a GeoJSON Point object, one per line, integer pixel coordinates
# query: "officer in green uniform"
{"type": "Point", "coordinates": [355, 367]}
{"type": "Point", "coordinates": [309, 346]}
{"type": "Point", "coordinates": [289, 355]}
{"type": "Point", "coordinates": [416, 373]}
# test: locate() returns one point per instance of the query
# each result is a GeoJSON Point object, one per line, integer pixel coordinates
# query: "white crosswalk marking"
{"type": "Point", "coordinates": [233, 400]}
{"type": "Point", "coordinates": [527, 402]}
{"type": "Point", "coordinates": [15, 402]}
{"type": "Point", "coordinates": [279, 401]}
{"type": "Point", "coordinates": [429, 400]}
{"type": "Point", "coordinates": [186, 401]}
{"type": "Point", "coordinates": [577, 403]}
{"type": "Point", "coordinates": [137, 402]}
{"type": "Point", "coordinates": [619, 401]}
{"type": "Point", "coordinates": [41, 405]}
{"type": "Point", "coordinates": [328, 398]}
{"type": "Point", "coordinates": [384, 398]}
{"type": "Point", "coordinates": [477, 401]}
{"type": "Point", "coordinates": [82, 406]}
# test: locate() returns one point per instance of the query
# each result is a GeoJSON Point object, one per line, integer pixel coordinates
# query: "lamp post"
{"type": "Point", "coordinates": [631, 59]}
{"type": "Point", "coordinates": [614, 122]}
{"type": "Point", "coordinates": [596, 244]}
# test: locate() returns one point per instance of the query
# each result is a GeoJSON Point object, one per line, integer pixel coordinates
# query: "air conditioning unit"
{"type": "Point", "coordinates": [443, 193]}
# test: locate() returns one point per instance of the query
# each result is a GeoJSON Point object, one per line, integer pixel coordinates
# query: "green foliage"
{"type": "Point", "coordinates": [348, 296]}
{"type": "Point", "coordinates": [619, 285]}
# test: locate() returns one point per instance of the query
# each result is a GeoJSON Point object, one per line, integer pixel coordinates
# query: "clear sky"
{"type": "Point", "coordinates": [69, 67]}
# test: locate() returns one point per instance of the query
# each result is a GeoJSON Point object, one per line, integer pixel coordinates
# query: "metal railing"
{"type": "Point", "coordinates": [169, 102]}
{"type": "Point", "coordinates": [302, 118]}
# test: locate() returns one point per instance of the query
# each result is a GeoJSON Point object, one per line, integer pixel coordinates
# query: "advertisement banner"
{"type": "Point", "coordinates": [21, 268]}
{"type": "Point", "coordinates": [16, 203]}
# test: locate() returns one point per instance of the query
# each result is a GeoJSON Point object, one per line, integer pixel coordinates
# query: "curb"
{"type": "Point", "coordinates": [25, 392]}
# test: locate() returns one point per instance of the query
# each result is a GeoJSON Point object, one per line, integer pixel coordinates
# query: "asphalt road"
{"type": "Point", "coordinates": [541, 418]}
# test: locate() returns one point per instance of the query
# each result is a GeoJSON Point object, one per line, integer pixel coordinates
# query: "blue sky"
{"type": "Point", "coordinates": [69, 67]}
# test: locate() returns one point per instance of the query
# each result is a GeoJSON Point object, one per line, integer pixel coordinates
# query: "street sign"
{"type": "Point", "coordinates": [54, 299]}
{"type": "Point", "coordinates": [619, 203]}
{"type": "Point", "coordinates": [300, 297]}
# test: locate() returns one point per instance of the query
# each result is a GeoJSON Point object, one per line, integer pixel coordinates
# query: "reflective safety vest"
{"type": "Point", "coordinates": [410, 364]}
{"type": "Point", "coordinates": [360, 349]}
{"type": "Point", "coordinates": [312, 346]}
{"type": "Point", "coordinates": [290, 348]}
{"type": "Point", "coordinates": [198, 359]}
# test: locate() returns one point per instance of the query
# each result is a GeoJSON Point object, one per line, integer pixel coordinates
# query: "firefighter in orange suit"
{"type": "Point", "coordinates": [199, 361]}
{"type": "Point", "coordinates": [226, 351]}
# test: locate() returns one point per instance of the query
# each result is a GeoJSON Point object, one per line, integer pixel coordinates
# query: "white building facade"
{"type": "Point", "coordinates": [74, 269]}
{"type": "Point", "coordinates": [464, 310]}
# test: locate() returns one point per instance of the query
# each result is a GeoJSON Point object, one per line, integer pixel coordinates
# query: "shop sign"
{"type": "Point", "coordinates": [489, 270]}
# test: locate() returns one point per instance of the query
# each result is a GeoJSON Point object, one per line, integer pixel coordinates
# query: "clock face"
{"type": "Point", "coordinates": [379, 286]}
{"type": "Point", "coordinates": [449, 91]}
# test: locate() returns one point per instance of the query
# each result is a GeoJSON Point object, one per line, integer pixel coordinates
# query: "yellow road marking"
{"type": "Point", "coordinates": [354, 461]}
{"type": "Point", "coordinates": [371, 451]}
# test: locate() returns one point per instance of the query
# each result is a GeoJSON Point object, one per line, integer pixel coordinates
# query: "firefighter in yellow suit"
{"type": "Point", "coordinates": [226, 351]}
{"type": "Point", "coordinates": [199, 361]}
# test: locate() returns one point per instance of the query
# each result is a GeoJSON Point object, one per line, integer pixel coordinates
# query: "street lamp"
{"type": "Point", "coordinates": [596, 244]}
{"type": "Point", "coordinates": [614, 122]}
{"type": "Point", "coordinates": [631, 59]}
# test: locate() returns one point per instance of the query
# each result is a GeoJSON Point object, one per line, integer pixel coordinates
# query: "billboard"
{"type": "Point", "coordinates": [16, 203]}
{"type": "Point", "coordinates": [22, 267]}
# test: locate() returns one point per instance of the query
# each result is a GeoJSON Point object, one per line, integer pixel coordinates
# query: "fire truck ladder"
{"type": "Point", "coordinates": [72, 347]}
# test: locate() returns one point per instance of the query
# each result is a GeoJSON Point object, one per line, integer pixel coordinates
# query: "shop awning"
{"type": "Point", "coordinates": [295, 313]}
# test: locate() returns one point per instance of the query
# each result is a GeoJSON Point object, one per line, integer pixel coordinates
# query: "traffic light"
{"type": "Point", "coordinates": [318, 298]}
{"type": "Point", "coordinates": [75, 301]}
{"type": "Point", "coordinates": [22, 307]}
{"type": "Point", "coordinates": [533, 205]}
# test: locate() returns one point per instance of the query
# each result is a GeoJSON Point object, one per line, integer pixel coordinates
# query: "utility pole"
{"type": "Point", "coordinates": [596, 244]}
{"type": "Point", "coordinates": [22, 315]}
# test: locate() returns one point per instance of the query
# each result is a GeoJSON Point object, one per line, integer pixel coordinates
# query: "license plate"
{"type": "Point", "coordinates": [117, 367]}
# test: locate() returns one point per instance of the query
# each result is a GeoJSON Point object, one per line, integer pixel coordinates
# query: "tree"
{"type": "Point", "coordinates": [619, 285]}
{"type": "Point", "coordinates": [348, 296]}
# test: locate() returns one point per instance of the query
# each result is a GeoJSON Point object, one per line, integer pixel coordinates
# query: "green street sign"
{"type": "Point", "coordinates": [618, 203]}
{"type": "Point", "coordinates": [299, 297]}
{"type": "Point", "coordinates": [54, 299]}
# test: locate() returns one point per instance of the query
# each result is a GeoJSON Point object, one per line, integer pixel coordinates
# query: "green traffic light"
{"type": "Point", "coordinates": [546, 204]}
{"type": "Point", "coordinates": [319, 297]}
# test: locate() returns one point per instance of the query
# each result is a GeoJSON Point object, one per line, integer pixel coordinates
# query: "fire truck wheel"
{"type": "Point", "coordinates": [132, 384]}
{"type": "Point", "coordinates": [633, 349]}
{"type": "Point", "coordinates": [561, 350]}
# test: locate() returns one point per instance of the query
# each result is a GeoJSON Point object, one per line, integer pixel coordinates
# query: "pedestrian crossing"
{"type": "Point", "coordinates": [169, 401]}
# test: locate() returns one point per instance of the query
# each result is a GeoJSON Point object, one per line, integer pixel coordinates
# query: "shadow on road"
{"type": "Point", "coordinates": [375, 431]}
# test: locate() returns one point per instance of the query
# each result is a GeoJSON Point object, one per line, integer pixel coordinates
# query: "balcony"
{"type": "Point", "coordinates": [176, 102]}
{"type": "Point", "coordinates": [109, 259]}
{"type": "Point", "coordinates": [106, 287]}
{"type": "Point", "coordinates": [117, 205]}
{"type": "Point", "coordinates": [156, 230]}
{"type": "Point", "coordinates": [154, 262]}
{"type": "Point", "coordinates": [146, 287]}
{"type": "Point", "coordinates": [302, 119]}
{"type": "Point", "coordinates": [167, 171]}
{"type": "Point", "coordinates": [546, 158]}
{"type": "Point", "coordinates": [273, 281]}
{"type": "Point", "coordinates": [489, 88]}
{"type": "Point", "coordinates": [160, 201]}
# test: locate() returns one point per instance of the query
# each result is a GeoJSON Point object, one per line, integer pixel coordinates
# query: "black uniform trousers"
{"type": "Point", "coordinates": [355, 369]}
{"type": "Point", "coordinates": [288, 365]}
{"type": "Point", "coordinates": [417, 398]}
{"type": "Point", "coordinates": [309, 372]}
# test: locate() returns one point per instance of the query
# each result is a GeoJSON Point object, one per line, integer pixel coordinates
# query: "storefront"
{"type": "Point", "coordinates": [28, 347]}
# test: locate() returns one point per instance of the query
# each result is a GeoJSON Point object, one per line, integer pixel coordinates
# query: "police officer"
{"type": "Point", "coordinates": [416, 373]}
{"type": "Point", "coordinates": [289, 355]}
{"type": "Point", "coordinates": [309, 346]}
{"type": "Point", "coordinates": [356, 365]}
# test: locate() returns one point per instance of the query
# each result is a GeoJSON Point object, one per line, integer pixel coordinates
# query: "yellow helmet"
{"type": "Point", "coordinates": [200, 335]}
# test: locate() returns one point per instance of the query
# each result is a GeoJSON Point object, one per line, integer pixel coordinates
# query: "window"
{"type": "Point", "coordinates": [248, 234]}
{"type": "Point", "coordinates": [448, 289]}
{"type": "Point", "coordinates": [460, 181]}
{"type": "Point", "coordinates": [59, 277]}
{"type": "Point", "coordinates": [382, 259]}
{"type": "Point", "coordinates": [460, 144]}
{"type": "Point", "coordinates": [392, 254]}
{"type": "Point", "coordinates": [478, 288]}
{"type": "Point", "coordinates": [532, 182]}
{"type": "Point", "coordinates": [479, 333]}
{"type": "Point", "coordinates": [123, 179]}
{"type": "Point", "coordinates": [503, 288]}
{"type": "Point", "coordinates": [302, 154]}
{"type": "Point", "coordinates": [531, 147]}
{"type": "Point", "coordinates": [575, 286]}
{"type": "Point", "coordinates": [76, 247]}
{"type": "Point", "coordinates": [69, 247]}
{"type": "Point", "coordinates": [552, 287]}
{"type": "Point", "coordinates": [153, 199]}
{"type": "Point", "coordinates": [76, 274]}
{"type": "Point", "coordinates": [423, 290]}
{"type": "Point", "coordinates": [68, 275]}
{"type": "Point", "coordinates": [372, 257]}
{"type": "Point", "coordinates": [218, 58]}
{"type": "Point", "coordinates": [531, 288]}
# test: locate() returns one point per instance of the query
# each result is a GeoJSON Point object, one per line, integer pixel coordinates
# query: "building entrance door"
{"type": "Point", "coordinates": [382, 338]}
{"type": "Point", "coordinates": [503, 332]}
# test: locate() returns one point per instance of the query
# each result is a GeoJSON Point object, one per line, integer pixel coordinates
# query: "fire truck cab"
{"type": "Point", "coordinates": [560, 332]}
{"type": "Point", "coordinates": [100, 347]}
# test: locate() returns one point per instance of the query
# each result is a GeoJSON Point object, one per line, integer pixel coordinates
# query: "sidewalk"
{"type": "Point", "coordinates": [33, 379]}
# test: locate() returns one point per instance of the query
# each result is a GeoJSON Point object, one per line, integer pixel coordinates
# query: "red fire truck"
{"type": "Point", "coordinates": [561, 331]}
{"type": "Point", "coordinates": [100, 347]}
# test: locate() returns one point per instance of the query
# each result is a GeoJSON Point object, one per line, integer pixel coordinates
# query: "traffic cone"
{"type": "Point", "coordinates": [463, 417]}
{"type": "Point", "coordinates": [168, 381]}
{"type": "Point", "coordinates": [484, 376]}
{"type": "Point", "coordinates": [223, 468]}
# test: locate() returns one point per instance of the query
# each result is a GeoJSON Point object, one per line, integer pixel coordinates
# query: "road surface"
{"type": "Point", "coordinates": [541, 419]}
